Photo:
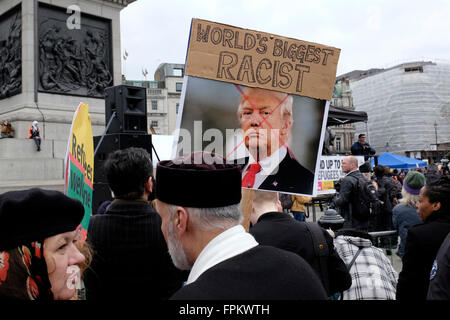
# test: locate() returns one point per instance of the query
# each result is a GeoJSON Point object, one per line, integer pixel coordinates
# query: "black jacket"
{"type": "Point", "coordinates": [440, 275]}
{"type": "Point", "coordinates": [290, 177]}
{"type": "Point", "coordinates": [346, 201]}
{"type": "Point", "coordinates": [261, 273]}
{"type": "Point", "coordinates": [282, 231]}
{"type": "Point", "coordinates": [387, 192]}
{"type": "Point", "coordinates": [131, 259]}
{"type": "Point", "coordinates": [422, 244]}
{"type": "Point", "coordinates": [359, 149]}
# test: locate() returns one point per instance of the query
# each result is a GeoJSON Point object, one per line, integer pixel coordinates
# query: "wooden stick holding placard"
{"type": "Point", "coordinates": [246, 207]}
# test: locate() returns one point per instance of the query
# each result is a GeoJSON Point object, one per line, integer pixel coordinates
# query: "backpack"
{"type": "Point", "coordinates": [321, 252]}
{"type": "Point", "coordinates": [384, 196]}
{"type": "Point", "coordinates": [367, 201]}
{"type": "Point", "coordinates": [398, 187]}
{"type": "Point", "coordinates": [286, 201]}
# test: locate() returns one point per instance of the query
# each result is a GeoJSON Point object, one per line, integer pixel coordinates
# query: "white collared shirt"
{"type": "Point", "coordinates": [226, 245]}
{"type": "Point", "coordinates": [268, 165]}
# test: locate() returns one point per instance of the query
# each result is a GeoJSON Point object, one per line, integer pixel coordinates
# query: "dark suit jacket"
{"type": "Point", "coordinates": [261, 273]}
{"type": "Point", "coordinates": [131, 260]}
{"type": "Point", "coordinates": [291, 177]}
{"type": "Point", "coordinates": [282, 231]}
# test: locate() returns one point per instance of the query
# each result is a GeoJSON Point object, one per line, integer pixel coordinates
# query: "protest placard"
{"type": "Point", "coordinates": [258, 59]}
{"type": "Point", "coordinates": [79, 165]}
{"type": "Point", "coordinates": [260, 100]}
{"type": "Point", "coordinates": [330, 171]}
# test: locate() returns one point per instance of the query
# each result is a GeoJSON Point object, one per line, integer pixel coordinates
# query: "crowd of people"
{"type": "Point", "coordinates": [414, 205]}
{"type": "Point", "coordinates": [178, 234]}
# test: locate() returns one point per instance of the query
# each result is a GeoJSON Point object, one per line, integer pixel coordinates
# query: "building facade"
{"type": "Point", "coordinates": [163, 97]}
{"type": "Point", "coordinates": [342, 98]}
{"type": "Point", "coordinates": [53, 55]}
{"type": "Point", "coordinates": [408, 108]}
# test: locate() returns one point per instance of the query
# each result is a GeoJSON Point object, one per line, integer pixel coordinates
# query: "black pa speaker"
{"type": "Point", "coordinates": [117, 141]}
{"type": "Point", "coordinates": [101, 193]}
{"type": "Point", "coordinates": [130, 105]}
{"type": "Point", "coordinates": [111, 143]}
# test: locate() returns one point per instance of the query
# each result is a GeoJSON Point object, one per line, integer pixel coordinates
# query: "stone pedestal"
{"type": "Point", "coordinates": [52, 98]}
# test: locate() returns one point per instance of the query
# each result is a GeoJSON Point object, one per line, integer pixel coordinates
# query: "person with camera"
{"type": "Point", "coordinates": [362, 148]}
{"type": "Point", "coordinates": [346, 201]}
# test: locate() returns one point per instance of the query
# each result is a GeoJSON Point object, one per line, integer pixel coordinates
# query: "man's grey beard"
{"type": "Point", "coordinates": [176, 251]}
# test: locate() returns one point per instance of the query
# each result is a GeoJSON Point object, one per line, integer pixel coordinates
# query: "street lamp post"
{"type": "Point", "coordinates": [435, 132]}
{"type": "Point", "coordinates": [435, 136]}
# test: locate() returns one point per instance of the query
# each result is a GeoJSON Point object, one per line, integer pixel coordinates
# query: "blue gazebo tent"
{"type": "Point", "coordinates": [396, 161]}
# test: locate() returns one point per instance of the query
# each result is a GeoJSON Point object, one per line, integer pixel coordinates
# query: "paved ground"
{"type": "Point", "coordinates": [395, 260]}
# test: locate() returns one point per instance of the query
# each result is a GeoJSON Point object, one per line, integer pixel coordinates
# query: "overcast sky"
{"type": "Point", "coordinates": [370, 34]}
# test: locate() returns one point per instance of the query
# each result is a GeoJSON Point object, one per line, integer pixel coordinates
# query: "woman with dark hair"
{"type": "Point", "coordinates": [423, 241]}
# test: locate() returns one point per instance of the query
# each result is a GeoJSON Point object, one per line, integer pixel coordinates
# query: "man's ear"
{"type": "Point", "coordinates": [436, 206]}
{"type": "Point", "coordinates": [149, 185]}
{"type": "Point", "coordinates": [287, 124]}
{"type": "Point", "coordinates": [279, 206]}
{"type": "Point", "coordinates": [181, 220]}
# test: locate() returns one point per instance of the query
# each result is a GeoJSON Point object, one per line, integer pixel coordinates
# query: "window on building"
{"type": "Point", "coordinates": [153, 84]}
{"type": "Point", "coordinates": [178, 72]}
{"type": "Point", "coordinates": [177, 108]}
{"type": "Point", "coordinates": [179, 86]}
{"type": "Point", "coordinates": [155, 123]}
{"type": "Point", "coordinates": [414, 69]}
{"type": "Point", "coordinates": [338, 143]}
{"type": "Point", "coordinates": [335, 102]}
{"type": "Point", "coordinates": [154, 104]}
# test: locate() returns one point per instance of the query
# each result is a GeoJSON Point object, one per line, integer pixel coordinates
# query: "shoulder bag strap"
{"type": "Point", "coordinates": [349, 266]}
{"type": "Point", "coordinates": [321, 250]}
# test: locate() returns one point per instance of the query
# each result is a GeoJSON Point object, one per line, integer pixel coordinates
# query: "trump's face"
{"type": "Point", "coordinates": [264, 127]}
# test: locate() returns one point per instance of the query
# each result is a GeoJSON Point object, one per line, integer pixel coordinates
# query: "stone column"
{"type": "Point", "coordinates": [55, 111]}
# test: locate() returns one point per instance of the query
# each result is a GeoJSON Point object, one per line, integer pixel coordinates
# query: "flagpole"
{"type": "Point", "coordinates": [125, 56]}
{"type": "Point", "coordinates": [125, 67]}
{"type": "Point", "coordinates": [144, 73]}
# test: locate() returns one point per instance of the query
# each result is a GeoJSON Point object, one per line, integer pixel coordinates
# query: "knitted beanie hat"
{"type": "Point", "coordinates": [413, 182]}
{"type": "Point", "coordinates": [35, 214]}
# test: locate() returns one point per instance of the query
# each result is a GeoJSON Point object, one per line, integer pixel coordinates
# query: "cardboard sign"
{"type": "Point", "coordinates": [79, 165]}
{"type": "Point", "coordinates": [260, 101]}
{"type": "Point", "coordinates": [257, 59]}
{"type": "Point", "coordinates": [330, 170]}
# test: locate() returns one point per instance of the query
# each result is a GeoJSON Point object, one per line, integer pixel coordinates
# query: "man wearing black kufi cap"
{"type": "Point", "coordinates": [198, 200]}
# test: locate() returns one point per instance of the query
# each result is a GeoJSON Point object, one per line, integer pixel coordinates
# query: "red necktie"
{"type": "Point", "coordinates": [249, 178]}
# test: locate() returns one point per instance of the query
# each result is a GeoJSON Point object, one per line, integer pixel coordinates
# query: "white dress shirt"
{"type": "Point", "coordinates": [268, 165]}
{"type": "Point", "coordinates": [226, 245]}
